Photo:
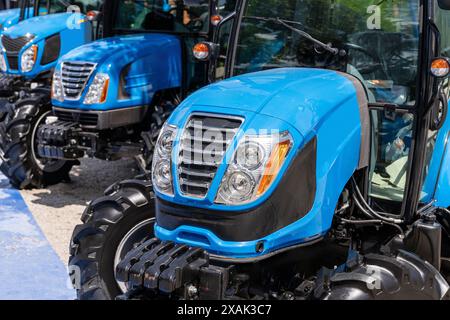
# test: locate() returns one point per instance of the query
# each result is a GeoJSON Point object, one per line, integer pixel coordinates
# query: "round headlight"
{"type": "Point", "coordinates": [162, 175]}
{"type": "Point", "coordinates": [29, 58]}
{"type": "Point", "coordinates": [250, 155]}
{"type": "Point", "coordinates": [165, 143]}
{"type": "Point", "coordinates": [239, 186]}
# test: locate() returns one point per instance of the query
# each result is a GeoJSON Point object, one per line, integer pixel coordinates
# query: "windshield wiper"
{"type": "Point", "coordinates": [304, 34]}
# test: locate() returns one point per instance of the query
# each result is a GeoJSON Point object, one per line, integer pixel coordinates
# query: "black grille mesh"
{"type": "Point", "coordinates": [13, 47]}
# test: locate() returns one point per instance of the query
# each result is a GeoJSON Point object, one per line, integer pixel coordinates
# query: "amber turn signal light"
{"type": "Point", "coordinates": [202, 51]}
{"type": "Point", "coordinates": [215, 20]}
{"type": "Point", "coordinates": [440, 67]}
{"type": "Point", "coordinates": [276, 160]}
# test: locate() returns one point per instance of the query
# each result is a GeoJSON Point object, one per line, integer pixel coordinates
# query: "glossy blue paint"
{"type": "Point", "coordinates": [73, 29]}
{"type": "Point", "coordinates": [29, 267]}
{"type": "Point", "coordinates": [8, 18]}
{"type": "Point", "coordinates": [11, 17]}
{"type": "Point", "coordinates": [283, 99]}
{"type": "Point", "coordinates": [437, 183]}
{"type": "Point", "coordinates": [154, 62]}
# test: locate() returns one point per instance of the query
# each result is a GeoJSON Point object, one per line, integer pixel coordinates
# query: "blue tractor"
{"type": "Point", "coordinates": [111, 97]}
{"type": "Point", "coordinates": [29, 54]}
{"type": "Point", "coordinates": [9, 18]}
{"type": "Point", "coordinates": [326, 146]}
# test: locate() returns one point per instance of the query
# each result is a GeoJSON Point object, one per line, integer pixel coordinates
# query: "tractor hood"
{"type": "Point", "coordinates": [301, 97]}
{"type": "Point", "coordinates": [119, 49]}
{"type": "Point", "coordinates": [138, 65]}
{"type": "Point", "coordinates": [48, 25]}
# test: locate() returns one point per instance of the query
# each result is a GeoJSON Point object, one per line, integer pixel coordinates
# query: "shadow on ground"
{"type": "Point", "coordinates": [58, 208]}
{"type": "Point", "coordinates": [89, 181]}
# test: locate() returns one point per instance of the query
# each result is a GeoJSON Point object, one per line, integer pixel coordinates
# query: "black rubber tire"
{"type": "Point", "coordinates": [16, 143]}
{"type": "Point", "coordinates": [94, 243]}
{"type": "Point", "coordinates": [404, 276]}
{"type": "Point", "coordinates": [161, 112]}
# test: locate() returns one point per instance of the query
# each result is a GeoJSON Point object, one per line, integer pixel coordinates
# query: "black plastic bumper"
{"type": "Point", "coordinates": [169, 268]}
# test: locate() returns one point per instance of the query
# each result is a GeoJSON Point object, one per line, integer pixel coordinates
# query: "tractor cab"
{"type": "Point", "coordinates": [381, 46]}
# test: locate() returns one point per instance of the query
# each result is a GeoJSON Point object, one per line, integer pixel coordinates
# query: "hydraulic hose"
{"type": "Point", "coordinates": [369, 222]}
{"type": "Point", "coordinates": [368, 210]}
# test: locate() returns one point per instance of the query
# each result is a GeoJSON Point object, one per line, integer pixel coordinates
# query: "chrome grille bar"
{"type": "Point", "coordinates": [203, 146]}
{"type": "Point", "coordinates": [74, 77]}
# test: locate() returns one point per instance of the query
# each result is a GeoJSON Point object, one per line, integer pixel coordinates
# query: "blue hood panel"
{"type": "Point", "coordinates": [48, 25]}
{"type": "Point", "coordinates": [73, 30]}
{"type": "Point", "coordinates": [9, 17]}
{"type": "Point", "coordinates": [116, 47]}
{"type": "Point", "coordinates": [300, 96]}
{"type": "Point", "coordinates": [153, 63]}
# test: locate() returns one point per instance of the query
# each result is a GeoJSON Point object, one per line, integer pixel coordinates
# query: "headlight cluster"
{"type": "Point", "coordinates": [57, 87]}
{"type": "Point", "coordinates": [162, 160]}
{"type": "Point", "coordinates": [3, 66]}
{"type": "Point", "coordinates": [29, 58]}
{"type": "Point", "coordinates": [98, 90]}
{"type": "Point", "coordinates": [253, 168]}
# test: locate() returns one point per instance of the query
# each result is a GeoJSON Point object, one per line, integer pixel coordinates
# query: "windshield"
{"type": "Point", "coordinates": [60, 6]}
{"type": "Point", "coordinates": [163, 15]}
{"type": "Point", "coordinates": [377, 41]}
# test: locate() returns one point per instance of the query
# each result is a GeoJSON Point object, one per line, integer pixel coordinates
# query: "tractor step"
{"type": "Point", "coordinates": [172, 269]}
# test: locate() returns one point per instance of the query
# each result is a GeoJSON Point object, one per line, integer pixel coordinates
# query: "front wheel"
{"type": "Point", "coordinates": [18, 137]}
{"type": "Point", "coordinates": [113, 225]}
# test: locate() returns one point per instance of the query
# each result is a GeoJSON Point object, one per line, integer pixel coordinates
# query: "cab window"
{"type": "Point", "coordinates": [163, 15]}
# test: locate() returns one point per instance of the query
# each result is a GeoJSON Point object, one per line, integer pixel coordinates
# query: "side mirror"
{"type": "Point", "coordinates": [444, 4]}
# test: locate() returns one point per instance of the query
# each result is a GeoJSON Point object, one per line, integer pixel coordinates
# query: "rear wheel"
{"type": "Point", "coordinates": [18, 136]}
{"type": "Point", "coordinates": [113, 225]}
{"type": "Point", "coordinates": [404, 276]}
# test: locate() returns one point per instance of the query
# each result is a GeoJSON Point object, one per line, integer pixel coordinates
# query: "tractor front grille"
{"type": "Point", "coordinates": [13, 62]}
{"type": "Point", "coordinates": [83, 118]}
{"type": "Point", "coordinates": [13, 47]}
{"type": "Point", "coordinates": [74, 77]}
{"type": "Point", "coordinates": [204, 143]}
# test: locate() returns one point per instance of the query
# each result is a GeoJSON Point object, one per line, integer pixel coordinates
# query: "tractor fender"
{"type": "Point", "coordinates": [138, 67]}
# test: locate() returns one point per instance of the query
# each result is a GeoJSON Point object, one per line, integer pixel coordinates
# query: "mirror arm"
{"type": "Point", "coordinates": [220, 25]}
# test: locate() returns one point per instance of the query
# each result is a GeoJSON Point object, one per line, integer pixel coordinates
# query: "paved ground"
{"type": "Point", "coordinates": [29, 267]}
{"type": "Point", "coordinates": [36, 225]}
{"type": "Point", "coordinates": [58, 208]}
